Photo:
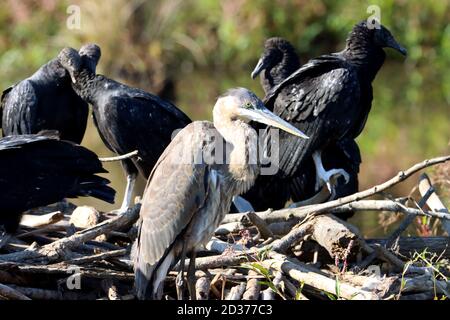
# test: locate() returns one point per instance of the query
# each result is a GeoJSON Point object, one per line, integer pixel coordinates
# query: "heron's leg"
{"type": "Point", "coordinates": [191, 275]}
{"type": "Point", "coordinates": [328, 177]}
{"type": "Point", "coordinates": [179, 282]}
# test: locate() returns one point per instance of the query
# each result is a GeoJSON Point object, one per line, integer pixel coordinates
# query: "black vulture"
{"type": "Point", "coordinates": [278, 61]}
{"type": "Point", "coordinates": [329, 98]}
{"type": "Point", "coordinates": [46, 101]}
{"type": "Point", "coordinates": [185, 201]}
{"type": "Point", "coordinates": [127, 118]}
{"type": "Point", "coordinates": [37, 170]}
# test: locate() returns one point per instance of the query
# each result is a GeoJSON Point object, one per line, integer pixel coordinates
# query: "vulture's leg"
{"type": "Point", "coordinates": [131, 180]}
{"type": "Point", "coordinates": [327, 177]}
{"type": "Point", "coordinates": [131, 172]}
{"type": "Point", "coordinates": [191, 275]}
{"type": "Point", "coordinates": [179, 282]}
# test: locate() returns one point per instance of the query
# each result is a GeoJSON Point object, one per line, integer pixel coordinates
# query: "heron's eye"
{"type": "Point", "coordinates": [248, 105]}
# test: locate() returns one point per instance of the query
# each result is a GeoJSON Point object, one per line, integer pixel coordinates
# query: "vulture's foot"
{"type": "Point", "coordinates": [329, 177]}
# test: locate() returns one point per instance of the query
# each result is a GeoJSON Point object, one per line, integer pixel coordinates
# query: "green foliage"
{"type": "Point", "coordinates": [260, 269]}
{"type": "Point", "coordinates": [337, 291]}
{"type": "Point", "coordinates": [298, 294]}
{"type": "Point", "coordinates": [434, 263]}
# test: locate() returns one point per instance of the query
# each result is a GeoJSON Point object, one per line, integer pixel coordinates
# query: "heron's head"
{"type": "Point", "coordinates": [242, 104]}
{"type": "Point", "coordinates": [378, 36]}
{"type": "Point", "coordinates": [274, 51]}
{"type": "Point", "coordinates": [71, 61]}
{"type": "Point", "coordinates": [90, 54]}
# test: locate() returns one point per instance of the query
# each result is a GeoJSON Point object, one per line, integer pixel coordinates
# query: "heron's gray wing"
{"type": "Point", "coordinates": [176, 190]}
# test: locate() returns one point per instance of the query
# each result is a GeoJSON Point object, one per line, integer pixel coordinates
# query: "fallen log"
{"type": "Point", "coordinates": [269, 293]}
{"type": "Point", "coordinates": [338, 237]}
{"type": "Point", "coordinates": [68, 270]}
{"type": "Point", "coordinates": [219, 246]}
{"type": "Point", "coordinates": [253, 288]}
{"type": "Point", "coordinates": [332, 233]}
{"type": "Point", "coordinates": [298, 214]}
{"type": "Point", "coordinates": [226, 228]}
{"type": "Point", "coordinates": [202, 288]}
{"type": "Point", "coordinates": [46, 294]}
{"type": "Point", "coordinates": [56, 250]}
{"type": "Point", "coordinates": [408, 245]}
{"type": "Point", "coordinates": [300, 272]}
{"type": "Point", "coordinates": [260, 224]}
{"type": "Point", "coordinates": [97, 257]}
{"type": "Point", "coordinates": [294, 291]}
{"type": "Point", "coordinates": [236, 292]}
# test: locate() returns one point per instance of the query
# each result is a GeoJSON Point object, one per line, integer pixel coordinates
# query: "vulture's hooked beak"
{"type": "Point", "coordinates": [260, 66]}
{"type": "Point", "coordinates": [392, 43]}
{"type": "Point", "coordinates": [72, 76]}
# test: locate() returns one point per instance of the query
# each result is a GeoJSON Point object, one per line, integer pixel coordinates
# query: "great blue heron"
{"type": "Point", "coordinates": [329, 98]}
{"type": "Point", "coordinates": [46, 101]}
{"type": "Point", "coordinates": [37, 170]}
{"type": "Point", "coordinates": [278, 61]}
{"type": "Point", "coordinates": [127, 118]}
{"type": "Point", "coordinates": [191, 187]}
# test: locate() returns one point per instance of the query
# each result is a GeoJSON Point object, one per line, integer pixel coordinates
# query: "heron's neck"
{"type": "Point", "coordinates": [242, 160]}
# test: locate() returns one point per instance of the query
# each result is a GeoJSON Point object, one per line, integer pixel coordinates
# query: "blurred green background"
{"type": "Point", "coordinates": [191, 51]}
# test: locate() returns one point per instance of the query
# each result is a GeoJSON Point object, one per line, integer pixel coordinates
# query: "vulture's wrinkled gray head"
{"type": "Point", "coordinates": [90, 54]}
{"type": "Point", "coordinates": [377, 35]}
{"type": "Point", "coordinates": [274, 50]}
{"type": "Point", "coordinates": [70, 60]}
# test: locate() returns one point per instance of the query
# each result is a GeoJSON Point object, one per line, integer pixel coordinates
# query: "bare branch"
{"type": "Point", "coordinates": [303, 212]}
{"type": "Point", "coordinates": [129, 155]}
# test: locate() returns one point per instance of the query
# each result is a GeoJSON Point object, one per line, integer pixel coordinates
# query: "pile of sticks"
{"type": "Point", "coordinates": [302, 252]}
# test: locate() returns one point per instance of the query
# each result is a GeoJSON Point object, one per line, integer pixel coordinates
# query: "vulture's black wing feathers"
{"type": "Point", "coordinates": [45, 101]}
{"type": "Point", "coordinates": [18, 104]}
{"type": "Point", "coordinates": [316, 99]}
{"type": "Point", "coordinates": [37, 170]}
{"type": "Point", "coordinates": [131, 119]}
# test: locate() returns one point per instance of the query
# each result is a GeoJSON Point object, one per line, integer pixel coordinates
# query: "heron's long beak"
{"type": "Point", "coordinates": [263, 115]}
{"type": "Point", "coordinates": [260, 66]}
